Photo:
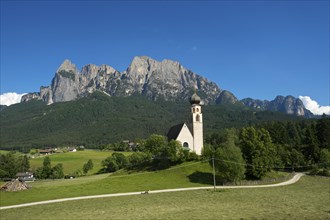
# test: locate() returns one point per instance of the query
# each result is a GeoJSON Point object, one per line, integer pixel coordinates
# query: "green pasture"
{"type": "Point", "coordinates": [307, 199]}
{"type": "Point", "coordinates": [186, 175]}
{"type": "Point", "coordinates": [73, 161]}
{"type": "Point", "coordinates": [8, 151]}
{"type": "Point", "coordinates": [4, 151]}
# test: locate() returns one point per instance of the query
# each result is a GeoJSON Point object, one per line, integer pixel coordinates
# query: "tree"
{"type": "Point", "coordinates": [311, 148]}
{"type": "Point", "coordinates": [46, 168]}
{"type": "Point", "coordinates": [57, 172]}
{"type": "Point", "coordinates": [323, 131]}
{"type": "Point", "coordinates": [296, 159]}
{"type": "Point", "coordinates": [46, 171]}
{"type": "Point", "coordinates": [8, 165]}
{"type": "Point", "coordinates": [88, 166]}
{"type": "Point", "coordinates": [229, 162]}
{"type": "Point", "coordinates": [155, 144]}
{"type": "Point", "coordinates": [110, 164]}
{"type": "Point", "coordinates": [174, 151]}
{"type": "Point", "coordinates": [139, 160]}
{"type": "Point", "coordinates": [324, 158]}
{"type": "Point", "coordinates": [120, 159]}
{"type": "Point", "coordinates": [258, 151]}
{"type": "Point", "coordinates": [23, 163]}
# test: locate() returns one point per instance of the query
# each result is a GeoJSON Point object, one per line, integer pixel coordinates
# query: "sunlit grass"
{"type": "Point", "coordinates": [307, 199]}
{"type": "Point", "coordinates": [73, 161]}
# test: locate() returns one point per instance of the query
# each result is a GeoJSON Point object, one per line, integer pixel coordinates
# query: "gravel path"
{"type": "Point", "coordinates": [294, 179]}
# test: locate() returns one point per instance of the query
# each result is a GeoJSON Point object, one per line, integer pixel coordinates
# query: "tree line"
{"type": "Point", "coordinates": [255, 150]}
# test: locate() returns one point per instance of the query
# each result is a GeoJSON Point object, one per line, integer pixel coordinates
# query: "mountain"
{"type": "Point", "coordinates": [167, 80]}
{"type": "Point", "coordinates": [145, 76]}
{"type": "Point", "coordinates": [288, 105]}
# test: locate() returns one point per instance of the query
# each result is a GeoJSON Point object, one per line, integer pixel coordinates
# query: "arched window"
{"type": "Point", "coordinates": [185, 145]}
{"type": "Point", "coordinates": [193, 110]}
{"type": "Point", "coordinates": [198, 118]}
{"type": "Point", "coordinates": [197, 109]}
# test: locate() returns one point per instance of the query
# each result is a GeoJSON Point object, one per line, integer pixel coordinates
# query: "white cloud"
{"type": "Point", "coordinates": [10, 98]}
{"type": "Point", "coordinates": [314, 107]}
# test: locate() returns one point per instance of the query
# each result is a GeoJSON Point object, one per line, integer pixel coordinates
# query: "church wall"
{"type": "Point", "coordinates": [186, 136]}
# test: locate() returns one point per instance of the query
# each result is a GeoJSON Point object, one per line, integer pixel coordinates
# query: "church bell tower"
{"type": "Point", "coordinates": [197, 123]}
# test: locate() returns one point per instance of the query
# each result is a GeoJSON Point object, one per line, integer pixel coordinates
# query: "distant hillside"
{"type": "Point", "coordinates": [100, 119]}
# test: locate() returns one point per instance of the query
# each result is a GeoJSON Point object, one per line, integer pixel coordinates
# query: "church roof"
{"type": "Point", "coordinates": [195, 99]}
{"type": "Point", "coordinates": [174, 131]}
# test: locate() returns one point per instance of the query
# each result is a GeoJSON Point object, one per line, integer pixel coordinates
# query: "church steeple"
{"type": "Point", "coordinates": [195, 99]}
{"type": "Point", "coordinates": [197, 123]}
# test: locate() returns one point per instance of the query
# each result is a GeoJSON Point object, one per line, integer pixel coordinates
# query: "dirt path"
{"type": "Point", "coordinates": [294, 179]}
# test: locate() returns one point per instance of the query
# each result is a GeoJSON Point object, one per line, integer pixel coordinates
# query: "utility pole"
{"type": "Point", "coordinates": [214, 183]}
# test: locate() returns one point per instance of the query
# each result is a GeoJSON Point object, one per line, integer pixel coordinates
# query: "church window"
{"type": "Point", "coordinates": [193, 110]}
{"type": "Point", "coordinates": [185, 145]}
{"type": "Point", "coordinates": [198, 118]}
{"type": "Point", "coordinates": [197, 109]}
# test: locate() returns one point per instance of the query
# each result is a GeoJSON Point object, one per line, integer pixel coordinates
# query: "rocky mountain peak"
{"type": "Point", "coordinates": [226, 97]}
{"type": "Point", "coordinates": [67, 65]}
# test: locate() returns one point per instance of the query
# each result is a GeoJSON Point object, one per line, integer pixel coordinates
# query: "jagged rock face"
{"type": "Point", "coordinates": [226, 97]}
{"type": "Point", "coordinates": [255, 103]}
{"type": "Point", "coordinates": [167, 79]}
{"type": "Point", "coordinates": [31, 96]}
{"type": "Point", "coordinates": [288, 105]}
{"type": "Point", "coordinates": [65, 83]}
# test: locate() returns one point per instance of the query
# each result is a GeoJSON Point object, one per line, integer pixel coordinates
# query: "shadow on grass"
{"type": "Point", "coordinates": [201, 177]}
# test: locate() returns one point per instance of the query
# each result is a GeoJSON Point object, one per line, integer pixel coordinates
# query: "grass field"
{"type": "Point", "coordinates": [186, 175]}
{"type": "Point", "coordinates": [307, 199]}
{"type": "Point", "coordinates": [4, 151]}
{"type": "Point", "coordinates": [73, 161]}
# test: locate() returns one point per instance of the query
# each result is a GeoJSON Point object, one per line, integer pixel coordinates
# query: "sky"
{"type": "Point", "coordinates": [258, 49]}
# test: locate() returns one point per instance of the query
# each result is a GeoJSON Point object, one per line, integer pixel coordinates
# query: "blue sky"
{"type": "Point", "coordinates": [256, 49]}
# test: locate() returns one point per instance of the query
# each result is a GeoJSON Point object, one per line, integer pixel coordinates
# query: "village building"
{"type": "Point", "coordinates": [25, 176]}
{"type": "Point", "coordinates": [190, 135]}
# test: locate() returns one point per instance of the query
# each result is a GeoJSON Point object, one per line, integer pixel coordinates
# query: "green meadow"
{"type": "Point", "coordinates": [186, 175]}
{"type": "Point", "coordinates": [309, 198]}
{"type": "Point", "coordinates": [73, 161]}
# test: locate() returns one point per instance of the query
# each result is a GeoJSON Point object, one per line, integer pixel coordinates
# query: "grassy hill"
{"type": "Point", "coordinates": [99, 119]}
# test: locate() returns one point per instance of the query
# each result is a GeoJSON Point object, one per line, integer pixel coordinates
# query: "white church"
{"type": "Point", "coordinates": [191, 138]}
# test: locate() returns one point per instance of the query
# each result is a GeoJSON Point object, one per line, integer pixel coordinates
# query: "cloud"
{"type": "Point", "coordinates": [10, 98]}
{"type": "Point", "coordinates": [314, 107]}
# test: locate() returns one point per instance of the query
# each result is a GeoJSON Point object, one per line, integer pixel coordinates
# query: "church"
{"type": "Point", "coordinates": [191, 137]}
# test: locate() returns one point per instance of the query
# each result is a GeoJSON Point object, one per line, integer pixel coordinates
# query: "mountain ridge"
{"type": "Point", "coordinates": [153, 79]}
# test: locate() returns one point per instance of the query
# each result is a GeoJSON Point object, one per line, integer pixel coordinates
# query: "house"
{"type": "Point", "coordinates": [25, 176]}
{"type": "Point", "coordinates": [46, 152]}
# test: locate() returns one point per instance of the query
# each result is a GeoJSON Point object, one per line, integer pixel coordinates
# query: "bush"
{"type": "Point", "coordinates": [120, 159]}
{"type": "Point", "coordinates": [110, 164]}
{"type": "Point", "coordinates": [139, 160]}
